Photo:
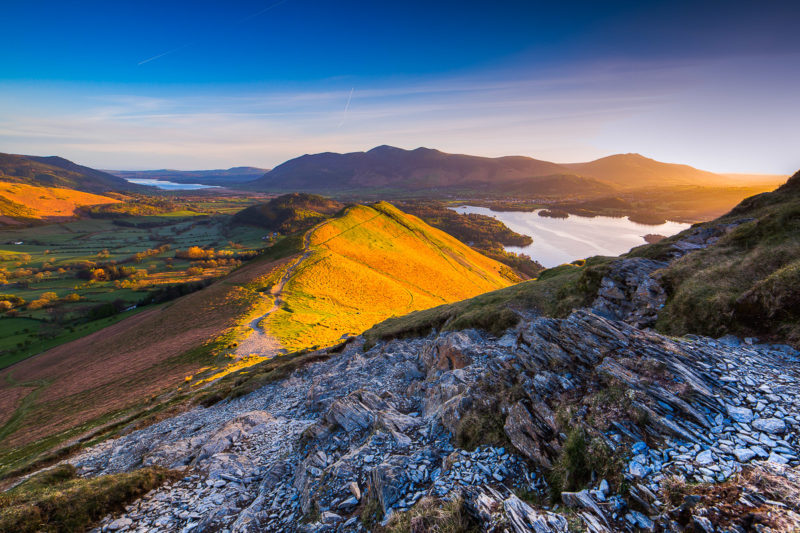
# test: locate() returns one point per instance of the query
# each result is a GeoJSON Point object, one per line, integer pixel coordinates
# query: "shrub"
{"type": "Point", "coordinates": [673, 489]}
{"type": "Point", "coordinates": [580, 456]}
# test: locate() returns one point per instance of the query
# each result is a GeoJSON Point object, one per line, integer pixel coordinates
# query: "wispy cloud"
{"type": "Point", "coordinates": [676, 112]}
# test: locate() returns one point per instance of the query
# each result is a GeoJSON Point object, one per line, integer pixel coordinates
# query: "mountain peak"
{"type": "Point", "coordinates": [385, 148]}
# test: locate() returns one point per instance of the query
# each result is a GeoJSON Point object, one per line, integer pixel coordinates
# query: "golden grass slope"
{"type": "Point", "coordinates": [45, 202]}
{"type": "Point", "coordinates": [372, 263]}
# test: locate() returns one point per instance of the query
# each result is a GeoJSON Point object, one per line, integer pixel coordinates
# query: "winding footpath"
{"type": "Point", "coordinates": [260, 342]}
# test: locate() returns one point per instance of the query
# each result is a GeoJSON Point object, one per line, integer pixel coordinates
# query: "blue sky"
{"type": "Point", "coordinates": [213, 84]}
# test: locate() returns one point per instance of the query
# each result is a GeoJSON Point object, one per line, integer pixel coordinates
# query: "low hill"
{"type": "Point", "coordinates": [22, 202]}
{"type": "Point", "coordinates": [632, 171]}
{"type": "Point", "coordinates": [219, 177]}
{"type": "Point", "coordinates": [288, 213]}
{"type": "Point", "coordinates": [369, 264]}
{"type": "Point", "coordinates": [59, 172]}
{"type": "Point", "coordinates": [386, 168]}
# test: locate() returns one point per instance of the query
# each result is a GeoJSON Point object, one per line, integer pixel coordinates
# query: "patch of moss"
{"type": "Point", "coordinates": [480, 426]}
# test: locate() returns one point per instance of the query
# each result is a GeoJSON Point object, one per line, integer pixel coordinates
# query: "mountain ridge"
{"type": "Point", "coordinates": [389, 167]}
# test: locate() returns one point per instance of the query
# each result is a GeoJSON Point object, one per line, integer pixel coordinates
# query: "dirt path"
{"type": "Point", "coordinates": [259, 342]}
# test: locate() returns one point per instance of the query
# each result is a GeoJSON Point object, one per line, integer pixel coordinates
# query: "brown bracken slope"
{"type": "Point", "coordinates": [121, 366]}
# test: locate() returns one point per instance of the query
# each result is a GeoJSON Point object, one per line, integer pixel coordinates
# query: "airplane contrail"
{"type": "Point", "coordinates": [187, 45]}
{"type": "Point", "coordinates": [346, 107]}
{"type": "Point", "coordinates": [140, 63]}
{"type": "Point", "coordinates": [254, 15]}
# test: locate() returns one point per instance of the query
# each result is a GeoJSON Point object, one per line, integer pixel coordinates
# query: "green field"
{"type": "Point", "coordinates": [48, 262]}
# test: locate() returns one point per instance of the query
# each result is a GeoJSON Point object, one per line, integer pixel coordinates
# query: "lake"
{"type": "Point", "coordinates": [561, 240]}
{"type": "Point", "coordinates": [171, 185]}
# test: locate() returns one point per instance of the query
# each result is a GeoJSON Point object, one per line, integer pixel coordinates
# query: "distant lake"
{"type": "Point", "coordinates": [561, 240]}
{"type": "Point", "coordinates": [170, 185]}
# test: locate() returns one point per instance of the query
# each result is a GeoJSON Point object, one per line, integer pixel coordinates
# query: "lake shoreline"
{"type": "Point", "coordinates": [563, 239]}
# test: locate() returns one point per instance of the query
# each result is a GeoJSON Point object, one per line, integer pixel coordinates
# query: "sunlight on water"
{"type": "Point", "coordinates": [561, 240]}
{"type": "Point", "coordinates": [171, 185]}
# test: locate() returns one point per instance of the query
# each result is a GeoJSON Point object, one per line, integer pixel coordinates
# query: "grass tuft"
{"type": "Point", "coordinates": [57, 500]}
{"type": "Point", "coordinates": [433, 515]}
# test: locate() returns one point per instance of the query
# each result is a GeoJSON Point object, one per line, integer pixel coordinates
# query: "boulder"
{"type": "Point", "coordinates": [742, 415]}
{"type": "Point", "coordinates": [355, 412]}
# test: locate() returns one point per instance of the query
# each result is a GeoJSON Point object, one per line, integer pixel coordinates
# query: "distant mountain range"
{"type": "Point", "coordinates": [59, 172]}
{"type": "Point", "coordinates": [220, 177]}
{"type": "Point", "coordinates": [387, 172]}
{"type": "Point", "coordinates": [393, 170]}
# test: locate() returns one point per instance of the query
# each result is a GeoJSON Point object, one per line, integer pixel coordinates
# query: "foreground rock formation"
{"type": "Point", "coordinates": [344, 443]}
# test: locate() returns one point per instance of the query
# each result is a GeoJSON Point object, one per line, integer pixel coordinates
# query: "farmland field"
{"type": "Point", "coordinates": [59, 282]}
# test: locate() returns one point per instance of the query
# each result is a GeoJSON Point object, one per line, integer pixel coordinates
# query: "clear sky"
{"type": "Point", "coordinates": [209, 84]}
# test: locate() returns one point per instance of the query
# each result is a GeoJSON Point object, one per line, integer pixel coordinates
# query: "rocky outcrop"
{"type": "Point", "coordinates": [631, 289]}
{"type": "Point", "coordinates": [631, 293]}
{"type": "Point", "coordinates": [378, 426]}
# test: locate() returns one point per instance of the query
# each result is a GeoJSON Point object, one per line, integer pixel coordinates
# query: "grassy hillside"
{"type": "Point", "coordinates": [19, 200]}
{"type": "Point", "coordinates": [749, 282]}
{"type": "Point", "coordinates": [555, 293]}
{"type": "Point", "coordinates": [371, 263]}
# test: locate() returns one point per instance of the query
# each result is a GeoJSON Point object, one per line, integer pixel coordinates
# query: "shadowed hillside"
{"type": "Point", "coordinates": [386, 168]}
{"type": "Point", "coordinates": [58, 172]}
{"type": "Point", "coordinates": [74, 387]}
{"type": "Point", "coordinates": [288, 213]}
